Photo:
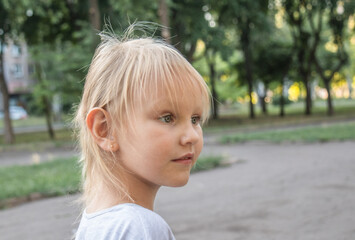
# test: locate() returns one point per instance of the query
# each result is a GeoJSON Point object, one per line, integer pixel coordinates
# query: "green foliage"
{"type": "Point", "coordinates": [187, 24]}
{"type": "Point", "coordinates": [61, 64]}
{"type": "Point", "coordinates": [52, 20]}
{"type": "Point", "coordinates": [273, 59]}
{"type": "Point", "coordinates": [62, 41]}
{"type": "Point", "coordinates": [124, 11]}
{"type": "Point", "coordinates": [231, 90]}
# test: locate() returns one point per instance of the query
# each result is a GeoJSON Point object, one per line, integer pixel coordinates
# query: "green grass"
{"type": "Point", "coordinates": [333, 132]}
{"type": "Point", "coordinates": [207, 163]}
{"type": "Point", "coordinates": [55, 178]}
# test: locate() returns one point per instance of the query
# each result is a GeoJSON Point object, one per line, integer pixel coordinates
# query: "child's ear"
{"type": "Point", "coordinates": [98, 122]}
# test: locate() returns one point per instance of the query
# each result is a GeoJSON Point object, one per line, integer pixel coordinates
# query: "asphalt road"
{"type": "Point", "coordinates": [279, 192]}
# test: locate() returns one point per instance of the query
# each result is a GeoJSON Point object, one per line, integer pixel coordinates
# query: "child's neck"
{"type": "Point", "coordinates": [140, 192]}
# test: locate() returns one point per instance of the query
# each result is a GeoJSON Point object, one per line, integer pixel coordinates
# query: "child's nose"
{"type": "Point", "coordinates": [190, 135]}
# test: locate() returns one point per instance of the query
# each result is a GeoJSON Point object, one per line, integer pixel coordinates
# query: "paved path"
{"type": "Point", "coordinates": [279, 192]}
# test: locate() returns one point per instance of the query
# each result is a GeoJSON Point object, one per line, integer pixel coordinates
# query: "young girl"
{"type": "Point", "coordinates": [139, 125]}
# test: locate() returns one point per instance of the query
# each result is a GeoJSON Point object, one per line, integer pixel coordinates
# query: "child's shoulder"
{"type": "Point", "coordinates": [133, 213]}
{"type": "Point", "coordinates": [128, 220]}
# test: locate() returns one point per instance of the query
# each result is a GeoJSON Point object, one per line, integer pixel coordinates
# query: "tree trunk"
{"type": "Point", "coordinates": [94, 14]}
{"type": "Point", "coordinates": [282, 99]}
{"type": "Point", "coordinates": [308, 98]}
{"type": "Point", "coordinates": [48, 113]}
{"type": "Point", "coordinates": [250, 91]}
{"type": "Point", "coordinates": [330, 111]}
{"type": "Point", "coordinates": [163, 13]}
{"type": "Point", "coordinates": [263, 104]}
{"type": "Point", "coordinates": [304, 71]}
{"type": "Point", "coordinates": [348, 79]}
{"type": "Point", "coordinates": [46, 103]}
{"type": "Point", "coordinates": [305, 58]}
{"type": "Point", "coordinates": [327, 80]}
{"type": "Point", "coordinates": [179, 33]}
{"type": "Point", "coordinates": [9, 135]}
{"type": "Point", "coordinates": [95, 21]}
{"type": "Point", "coordinates": [214, 92]}
{"type": "Point", "coordinates": [248, 67]}
{"type": "Point", "coordinates": [190, 52]}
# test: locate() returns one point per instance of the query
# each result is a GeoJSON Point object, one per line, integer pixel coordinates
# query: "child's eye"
{"type": "Point", "coordinates": [196, 120]}
{"type": "Point", "coordinates": [167, 118]}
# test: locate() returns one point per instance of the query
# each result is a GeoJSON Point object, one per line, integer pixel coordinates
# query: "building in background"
{"type": "Point", "coordinates": [18, 72]}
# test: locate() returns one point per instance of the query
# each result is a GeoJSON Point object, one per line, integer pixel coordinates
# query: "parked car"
{"type": "Point", "coordinates": [16, 113]}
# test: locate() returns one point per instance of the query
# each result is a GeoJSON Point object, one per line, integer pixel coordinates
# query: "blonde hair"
{"type": "Point", "coordinates": [124, 70]}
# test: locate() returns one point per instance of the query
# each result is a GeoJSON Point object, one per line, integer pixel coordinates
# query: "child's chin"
{"type": "Point", "coordinates": [179, 182]}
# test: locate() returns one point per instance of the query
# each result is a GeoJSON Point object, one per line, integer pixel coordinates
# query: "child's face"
{"type": "Point", "coordinates": [165, 142]}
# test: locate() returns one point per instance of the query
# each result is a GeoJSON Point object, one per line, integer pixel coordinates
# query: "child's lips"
{"type": "Point", "coordinates": [185, 159]}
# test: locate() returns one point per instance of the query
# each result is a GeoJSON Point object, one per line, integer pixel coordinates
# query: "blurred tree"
{"type": "Point", "coordinates": [5, 27]}
{"type": "Point", "coordinates": [9, 22]}
{"type": "Point", "coordinates": [350, 46]}
{"type": "Point", "coordinates": [122, 13]}
{"type": "Point", "coordinates": [187, 21]}
{"type": "Point", "coordinates": [326, 68]}
{"type": "Point", "coordinates": [304, 43]}
{"type": "Point", "coordinates": [308, 19]}
{"type": "Point", "coordinates": [94, 14]}
{"type": "Point", "coordinates": [248, 19]}
{"type": "Point", "coordinates": [274, 60]}
{"type": "Point", "coordinates": [45, 25]}
{"type": "Point", "coordinates": [215, 44]}
{"type": "Point", "coordinates": [61, 68]}
{"type": "Point", "coordinates": [164, 17]}
{"type": "Point", "coordinates": [9, 136]}
{"type": "Point", "coordinates": [349, 69]}
{"type": "Point", "coordinates": [95, 21]}
{"type": "Point", "coordinates": [333, 55]}
{"type": "Point", "coordinates": [48, 21]}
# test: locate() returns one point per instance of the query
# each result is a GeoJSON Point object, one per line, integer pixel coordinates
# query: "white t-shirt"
{"type": "Point", "coordinates": [124, 221]}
